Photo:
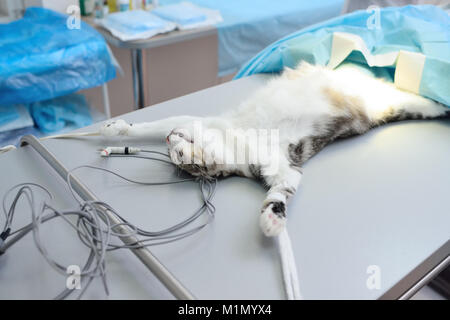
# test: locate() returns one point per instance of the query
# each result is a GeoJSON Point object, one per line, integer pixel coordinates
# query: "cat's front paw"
{"type": "Point", "coordinates": [115, 128]}
{"type": "Point", "coordinates": [273, 219]}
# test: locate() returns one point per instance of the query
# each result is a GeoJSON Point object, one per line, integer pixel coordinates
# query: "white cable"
{"type": "Point", "coordinates": [293, 268]}
{"type": "Point", "coordinates": [7, 148]}
{"type": "Point", "coordinates": [56, 136]}
{"type": "Point", "coordinates": [71, 135]}
{"type": "Point", "coordinates": [288, 266]}
{"type": "Point", "coordinates": [285, 267]}
{"type": "Point", "coordinates": [106, 152]}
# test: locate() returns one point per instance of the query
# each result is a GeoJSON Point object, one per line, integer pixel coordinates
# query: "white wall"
{"type": "Point", "coordinates": [56, 5]}
{"type": "Point", "coordinates": [10, 10]}
{"type": "Point", "coordinates": [59, 5]}
{"type": "Point", "coordinates": [3, 7]}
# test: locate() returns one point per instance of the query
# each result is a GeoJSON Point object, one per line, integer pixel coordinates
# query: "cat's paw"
{"type": "Point", "coordinates": [273, 219]}
{"type": "Point", "coordinates": [115, 128]}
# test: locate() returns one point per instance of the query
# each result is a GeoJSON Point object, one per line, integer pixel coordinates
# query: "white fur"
{"type": "Point", "coordinates": [294, 103]}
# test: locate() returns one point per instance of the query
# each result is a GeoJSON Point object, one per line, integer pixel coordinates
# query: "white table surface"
{"type": "Point", "coordinates": [377, 199]}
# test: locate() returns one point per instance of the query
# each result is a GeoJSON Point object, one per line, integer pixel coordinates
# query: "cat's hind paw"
{"type": "Point", "coordinates": [115, 128]}
{"type": "Point", "coordinates": [273, 219]}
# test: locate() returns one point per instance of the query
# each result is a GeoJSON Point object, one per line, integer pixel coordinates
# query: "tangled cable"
{"type": "Point", "coordinates": [92, 225]}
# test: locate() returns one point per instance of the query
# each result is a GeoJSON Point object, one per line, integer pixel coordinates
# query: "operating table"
{"type": "Point", "coordinates": [380, 199]}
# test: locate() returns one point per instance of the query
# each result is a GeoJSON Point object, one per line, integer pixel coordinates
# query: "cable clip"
{"type": "Point", "coordinates": [106, 152]}
{"type": "Point", "coordinates": [3, 236]}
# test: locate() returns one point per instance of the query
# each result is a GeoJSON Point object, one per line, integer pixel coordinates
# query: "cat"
{"type": "Point", "coordinates": [310, 106]}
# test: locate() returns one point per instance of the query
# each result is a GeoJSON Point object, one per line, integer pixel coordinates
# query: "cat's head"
{"type": "Point", "coordinates": [199, 152]}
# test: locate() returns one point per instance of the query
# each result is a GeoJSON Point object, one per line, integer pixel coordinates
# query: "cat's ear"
{"type": "Point", "coordinates": [290, 73]}
{"type": "Point", "coordinates": [302, 68]}
{"type": "Point", "coordinates": [305, 67]}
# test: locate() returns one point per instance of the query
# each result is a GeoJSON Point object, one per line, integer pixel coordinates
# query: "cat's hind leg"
{"type": "Point", "coordinates": [282, 186]}
{"type": "Point", "coordinates": [407, 106]}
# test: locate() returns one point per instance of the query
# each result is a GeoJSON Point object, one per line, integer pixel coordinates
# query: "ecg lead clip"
{"type": "Point", "coordinates": [106, 152]}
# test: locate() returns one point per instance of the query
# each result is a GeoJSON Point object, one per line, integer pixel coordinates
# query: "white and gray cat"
{"type": "Point", "coordinates": [309, 106]}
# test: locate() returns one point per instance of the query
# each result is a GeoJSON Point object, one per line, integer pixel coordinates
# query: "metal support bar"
{"type": "Point", "coordinates": [421, 275]}
{"type": "Point", "coordinates": [106, 105]}
{"type": "Point", "coordinates": [138, 81]}
{"type": "Point", "coordinates": [424, 281]}
{"type": "Point", "coordinates": [146, 257]}
{"type": "Point", "coordinates": [140, 78]}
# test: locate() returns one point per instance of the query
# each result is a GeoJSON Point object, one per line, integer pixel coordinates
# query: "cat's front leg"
{"type": "Point", "coordinates": [115, 128]}
{"type": "Point", "coordinates": [156, 129]}
{"type": "Point", "coordinates": [282, 186]}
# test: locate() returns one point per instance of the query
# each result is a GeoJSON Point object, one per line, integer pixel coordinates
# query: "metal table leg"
{"type": "Point", "coordinates": [138, 84]}
{"type": "Point", "coordinates": [106, 105]}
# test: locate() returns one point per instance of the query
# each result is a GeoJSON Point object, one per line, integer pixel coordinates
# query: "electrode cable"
{"type": "Point", "coordinates": [91, 230]}
{"type": "Point", "coordinates": [289, 269]}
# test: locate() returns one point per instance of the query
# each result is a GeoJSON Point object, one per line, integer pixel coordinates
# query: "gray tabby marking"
{"type": "Point", "coordinates": [255, 170]}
